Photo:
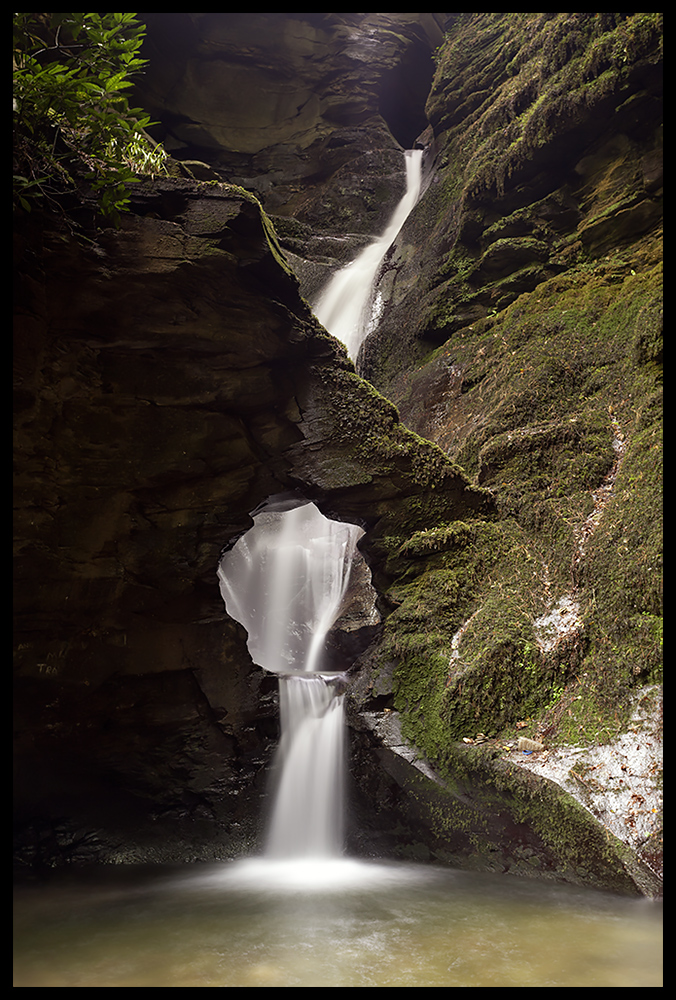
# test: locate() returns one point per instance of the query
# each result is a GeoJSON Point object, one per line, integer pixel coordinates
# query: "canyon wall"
{"type": "Point", "coordinates": [500, 443]}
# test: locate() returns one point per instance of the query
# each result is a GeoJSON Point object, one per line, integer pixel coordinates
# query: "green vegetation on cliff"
{"type": "Point", "coordinates": [569, 445]}
{"type": "Point", "coordinates": [519, 85]}
{"type": "Point", "coordinates": [539, 274]}
{"type": "Point", "coordinates": [70, 115]}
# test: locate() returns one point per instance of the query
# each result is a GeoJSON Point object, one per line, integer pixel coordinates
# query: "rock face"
{"type": "Point", "coordinates": [520, 302]}
{"type": "Point", "coordinates": [171, 378]}
{"type": "Point", "coordinates": [147, 433]}
{"type": "Point", "coordinates": [281, 103]}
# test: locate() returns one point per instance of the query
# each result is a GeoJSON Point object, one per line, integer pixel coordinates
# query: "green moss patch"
{"type": "Point", "coordinates": [567, 382]}
{"type": "Point", "coordinates": [518, 82]}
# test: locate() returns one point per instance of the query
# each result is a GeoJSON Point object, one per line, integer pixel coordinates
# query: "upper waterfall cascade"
{"type": "Point", "coordinates": [345, 305]}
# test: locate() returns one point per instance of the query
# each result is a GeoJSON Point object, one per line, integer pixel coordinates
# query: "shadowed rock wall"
{"type": "Point", "coordinates": [171, 378]}
{"type": "Point", "coordinates": [170, 381]}
{"type": "Point", "coordinates": [521, 330]}
{"type": "Point", "coordinates": [283, 103]}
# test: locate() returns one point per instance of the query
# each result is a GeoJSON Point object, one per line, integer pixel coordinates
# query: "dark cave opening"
{"type": "Point", "coordinates": [404, 93]}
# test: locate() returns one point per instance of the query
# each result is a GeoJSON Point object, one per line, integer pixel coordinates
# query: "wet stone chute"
{"type": "Point", "coordinates": [346, 306]}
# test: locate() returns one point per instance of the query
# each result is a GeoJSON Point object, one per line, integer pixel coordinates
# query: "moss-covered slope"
{"type": "Point", "coordinates": [523, 334]}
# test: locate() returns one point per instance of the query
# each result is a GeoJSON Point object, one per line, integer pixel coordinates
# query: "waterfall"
{"type": "Point", "coordinates": [343, 306]}
{"type": "Point", "coordinates": [284, 581]}
{"type": "Point", "coordinates": [307, 820]}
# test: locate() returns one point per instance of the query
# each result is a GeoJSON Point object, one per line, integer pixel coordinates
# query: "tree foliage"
{"type": "Point", "coordinates": [73, 124]}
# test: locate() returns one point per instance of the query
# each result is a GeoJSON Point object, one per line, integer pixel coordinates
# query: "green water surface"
{"type": "Point", "coordinates": [343, 923]}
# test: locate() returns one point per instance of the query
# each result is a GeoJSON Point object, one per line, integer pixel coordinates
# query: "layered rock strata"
{"type": "Point", "coordinates": [171, 379]}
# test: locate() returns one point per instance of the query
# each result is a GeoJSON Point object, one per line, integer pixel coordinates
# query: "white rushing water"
{"type": "Point", "coordinates": [307, 821]}
{"type": "Point", "coordinates": [284, 581]}
{"type": "Point", "coordinates": [344, 305]}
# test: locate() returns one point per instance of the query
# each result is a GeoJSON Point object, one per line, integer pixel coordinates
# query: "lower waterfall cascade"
{"type": "Point", "coordinates": [307, 819]}
{"type": "Point", "coordinates": [284, 580]}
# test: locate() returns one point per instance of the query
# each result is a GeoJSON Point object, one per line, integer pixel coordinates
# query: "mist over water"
{"type": "Point", "coordinates": [344, 922]}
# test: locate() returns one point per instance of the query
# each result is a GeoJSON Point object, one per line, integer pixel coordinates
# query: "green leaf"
{"type": "Point", "coordinates": [78, 99]}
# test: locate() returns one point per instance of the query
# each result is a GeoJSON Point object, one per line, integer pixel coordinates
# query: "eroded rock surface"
{"type": "Point", "coordinates": [170, 381]}
{"type": "Point", "coordinates": [308, 110]}
{"type": "Point", "coordinates": [171, 378]}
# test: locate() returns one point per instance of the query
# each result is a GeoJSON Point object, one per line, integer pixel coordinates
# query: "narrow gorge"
{"type": "Point", "coordinates": [492, 434]}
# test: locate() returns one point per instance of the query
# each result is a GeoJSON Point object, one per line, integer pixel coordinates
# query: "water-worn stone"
{"type": "Point", "coordinates": [301, 108]}
{"type": "Point", "coordinates": [170, 378]}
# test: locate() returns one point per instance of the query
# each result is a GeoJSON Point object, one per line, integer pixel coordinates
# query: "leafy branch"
{"type": "Point", "coordinates": [72, 119]}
